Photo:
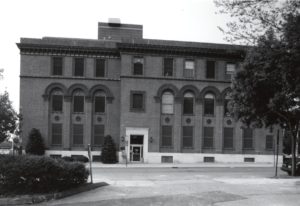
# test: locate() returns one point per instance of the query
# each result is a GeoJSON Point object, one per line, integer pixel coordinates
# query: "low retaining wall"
{"type": "Point", "coordinates": [205, 157]}
{"type": "Point", "coordinates": [156, 157]}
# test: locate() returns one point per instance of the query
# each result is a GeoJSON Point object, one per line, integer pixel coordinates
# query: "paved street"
{"type": "Point", "coordinates": [189, 186]}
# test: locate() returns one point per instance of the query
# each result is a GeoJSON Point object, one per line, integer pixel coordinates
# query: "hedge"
{"type": "Point", "coordinates": [39, 174]}
{"type": "Point", "coordinates": [76, 158]}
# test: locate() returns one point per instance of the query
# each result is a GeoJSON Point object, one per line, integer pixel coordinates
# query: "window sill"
{"type": "Point", "coordinates": [137, 110]}
{"type": "Point", "coordinates": [208, 148]}
{"type": "Point", "coordinates": [78, 113]}
{"type": "Point", "coordinates": [56, 146]}
{"type": "Point", "coordinates": [189, 77]}
{"type": "Point", "coordinates": [99, 113]}
{"type": "Point", "coordinates": [100, 77]}
{"type": "Point", "coordinates": [78, 145]}
{"type": "Point", "coordinates": [228, 149]}
{"type": "Point", "coordinates": [188, 114]}
{"type": "Point", "coordinates": [79, 77]}
{"type": "Point", "coordinates": [189, 148]}
{"type": "Point", "coordinates": [57, 112]}
{"type": "Point", "coordinates": [209, 115]}
{"type": "Point", "coordinates": [168, 76]}
{"type": "Point", "coordinates": [96, 146]}
{"type": "Point", "coordinates": [166, 114]}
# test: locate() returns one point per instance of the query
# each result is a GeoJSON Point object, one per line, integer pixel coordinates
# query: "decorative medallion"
{"type": "Point", "coordinates": [188, 120]}
{"type": "Point", "coordinates": [78, 118]}
{"type": "Point", "coordinates": [56, 118]}
{"type": "Point", "coordinates": [208, 121]}
{"type": "Point", "coordinates": [99, 119]}
{"type": "Point", "coordinates": [229, 122]}
{"type": "Point", "coordinates": [167, 119]}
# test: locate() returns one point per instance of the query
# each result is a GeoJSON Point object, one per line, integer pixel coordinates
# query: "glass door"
{"type": "Point", "coordinates": [136, 152]}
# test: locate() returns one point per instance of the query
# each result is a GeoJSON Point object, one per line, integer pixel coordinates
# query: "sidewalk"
{"type": "Point", "coordinates": [180, 165]}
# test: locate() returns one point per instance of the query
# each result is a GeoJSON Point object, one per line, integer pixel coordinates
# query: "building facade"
{"type": "Point", "coordinates": [161, 101]}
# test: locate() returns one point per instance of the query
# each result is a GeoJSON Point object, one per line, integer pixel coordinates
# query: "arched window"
{"type": "Point", "coordinates": [167, 101]}
{"type": "Point", "coordinates": [56, 101]}
{"type": "Point", "coordinates": [209, 104]}
{"type": "Point", "coordinates": [226, 105]}
{"type": "Point", "coordinates": [78, 101]}
{"type": "Point", "coordinates": [188, 103]}
{"type": "Point", "coordinates": [99, 102]}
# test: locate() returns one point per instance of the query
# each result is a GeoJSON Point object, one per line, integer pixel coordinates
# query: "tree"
{"type": "Point", "coordinates": [8, 117]}
{"type": "Point", "coordinates": [109, 152]}
{"type": "Point", "coordinates": [266, 91]}
{"type": "Point", "coordinates": [250, 19]}
{"type": "Point", "coordinates": [35, 144]}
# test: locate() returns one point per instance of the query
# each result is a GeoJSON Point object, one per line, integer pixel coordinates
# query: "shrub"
{"type": "Point", "coordinates": [67, 158]}
{"type": "Point", "coordinates": [108, 154]}
{"type": "Point", "coordinates": [76, 158]}
{"type": "Point", "coordinates": [80, 158]}
{"type": "Point", "coordinates": [35, 144]}
{"type": "Point", "coordinates": [26, 174]}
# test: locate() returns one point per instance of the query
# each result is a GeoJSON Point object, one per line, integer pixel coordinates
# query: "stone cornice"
{"type": "Point", "coordinates": [44, 49]}
{"type": "Point", "coordinates": [238, 54]}
{"type": "Point", "coordinates": [71, 78]}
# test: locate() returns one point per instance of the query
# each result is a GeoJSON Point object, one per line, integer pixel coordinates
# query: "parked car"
{"type": "Point", "coordinates": [287, 165]}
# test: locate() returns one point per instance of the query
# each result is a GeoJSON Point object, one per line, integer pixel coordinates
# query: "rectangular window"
{"type": "Point", "coordinates": [167, 103]}
{"type": "Point", "coordinates": [57, 66]}
{"type": "Point", "coordinates": [99, 104]}
{"type": "Point", "coordinates": [230, 70]}
{"type": "Point", "coordinates": [98, 137]}
{"type": "Point", "coordinates": [137, 101]}
{"type": "Point", "coordinates": [56, 134]}
{"type": "Point", "coordinates": [138, 64]}
{"type": "Point", "coordinates": [269, 142]}
{"type": "Point", "coordinates": [208, 137]}
{"type": "Point", "coordinates": [189, 69]}
{"type": "Point", "coordinates": [57, 103]}
{"type": "Point", "coordinates": [210, 69]}
{"type": "Point", "coordinates": [79, 67]}
{"type": "Point", "coordinates": [226, 108]}
{"type": "Point", "coordinates": [228, 138]}
{"type": "Point", "coordinates": [100, 68]}
{"type": "Point", "coordinates": [168, 67]}
{"type": "Point", "coordinates": [78, 104]}
{"type": "Point", "coordinates": [188, 105]}
{"type": "Point", "coordinates": [209, 106]}
{"type": "Point", "coordinates": [187, 136]}
{"type": "Point", "coordinates": [77, 134]}
{"type": "Point", "coordinates": [166, 136]}
{"type": "Point", "coordinates": [247, 138]}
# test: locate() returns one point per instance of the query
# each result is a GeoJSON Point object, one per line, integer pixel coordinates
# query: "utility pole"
{"type": "Point", "coordinates": [277, 148]}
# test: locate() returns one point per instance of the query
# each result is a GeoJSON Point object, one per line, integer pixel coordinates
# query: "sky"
{"type": "Point", "coordinates": [182, 20]}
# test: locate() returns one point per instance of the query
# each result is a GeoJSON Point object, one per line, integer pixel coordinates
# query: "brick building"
{"type": "Point", "coordinates": [161, 101]}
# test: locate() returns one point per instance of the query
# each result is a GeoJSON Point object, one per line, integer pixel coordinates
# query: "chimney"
{"type": "Point", "coordinates": [116, 31]}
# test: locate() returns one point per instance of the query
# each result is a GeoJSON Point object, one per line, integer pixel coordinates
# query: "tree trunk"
{"type": "Point", "coordinates": [293, 154]}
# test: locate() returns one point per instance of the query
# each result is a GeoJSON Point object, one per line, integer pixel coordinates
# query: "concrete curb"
{"type": "Point", "coordinates": [33, 199]}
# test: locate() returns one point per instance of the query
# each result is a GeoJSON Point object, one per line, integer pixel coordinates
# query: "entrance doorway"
{"type": "Point", "coordinates": [136, 148]}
